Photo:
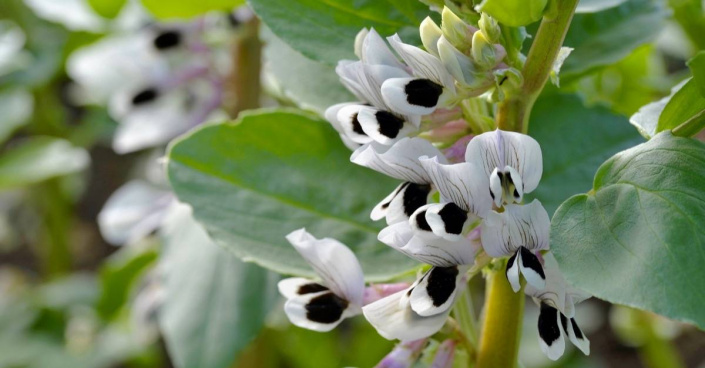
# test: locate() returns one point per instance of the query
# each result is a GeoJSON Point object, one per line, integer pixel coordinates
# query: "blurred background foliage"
{"type": "Point", "coordinates": [172, 297]}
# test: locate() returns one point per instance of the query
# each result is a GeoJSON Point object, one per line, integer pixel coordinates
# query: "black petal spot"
{"type": "Point", "coordinates": [453, 217]}
{"type": "Point", "coordinates": [421, 221]}
{"type": "Point", "coordinates": [396, 193]}
{"type": "Point", "coordinates": [311, 288]}
{"type": "Point", "coordinates": [564, 322]}
{"type": "Point", "coordinates": [549, 331]}
{"type": "Point", "coordinates": [167, 39]}
{"type": "Point", "coordinates": [441, 283]}
{"type": "Point", "coordinates": [516, 194]}
{"type": "Point", "coordinates": [357, 128]}
{"type": "Point", "coordinates": [576, 330]}
{"type": "Point", "coordinates": [415, 196]}
{"type": "Point", "coordinates": [389, 124]}
{"type": "Point", "coordinates": [423, 92]}
{"type": "Point", "coordinates": [326, 308]}
{"type": "Point", "coordinates": [531, 261]}
{"type": "Point", "coordinates": [144, 96]}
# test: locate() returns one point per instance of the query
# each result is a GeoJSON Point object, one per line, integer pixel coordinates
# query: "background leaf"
{"type": "Point", "coordinates": [686, 105]}
{"type": "Point", "coordinates": [324, 30]}
{"type": "Point", "coordinates": [16, 106]}
{"type": "Point", "coordinates": [697, 67]}
{"type": "Point", "coordinates": [575, 140]}
{"type": "Point", "coordinates": [252, 183]}
{"type": "Point", "coordinates": [214, 304]}
{"type": "Point", "coordinates": [514, 13]}
{"type": "Point", "coordinates": [40, 158]}
{"type": "Point", "coordinates": [167, 9]}
{"type": "Point", "coordinates": [594, 6]}
{"type": "Point", "coordinates": [642, 225]}
{"type": "Point", "coordinates": [107, 8]}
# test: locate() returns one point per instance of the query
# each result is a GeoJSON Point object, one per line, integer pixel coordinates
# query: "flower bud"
{"type": "Point", "coordinates": [455, 30]}
{"type": "Point", "coordinates": [483, 52]}
{"type": "Point", "coordinates": [458, 65]}
{"type": "Point", "coordinates": [430, 34]}
{"type": "Point", "coordinates": [509, 79]}
{"type": "Point", "coordinates": [359, 40]}
{"type": "Point", "coordinates": [490, 28]}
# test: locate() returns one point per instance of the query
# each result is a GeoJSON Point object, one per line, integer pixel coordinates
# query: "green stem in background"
{"type": "Point", "coordinates": [464, 313]}
{"type": "Point", "coordinates": [689, 14]}
{"type": "Point", "coordinates": [514, 111]}
{"type": "Point", "coordinates": [244, 87]}
{"type": "Point", "coordinates": [54, 246]}
{"type": "Point", "coordinates": [656, 351]}
{"type": "Point", "coordinates": [501, 329]}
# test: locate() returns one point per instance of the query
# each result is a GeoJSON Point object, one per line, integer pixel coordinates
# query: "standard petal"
{"type": "Point", "coordinates": [423, 64]}
{"type": "Point", "coordinates": [376, 52]}
{"type": "Point", "coordinates": [527, 226]}
{"type": "Point", "coordinates": [365, 81]}
{"type": "Point", "coordinates": [436, 291]}
{"type": "Point", "coordinates": [498, 149]}
{"type": "Point", "coordinates": [321, 311]}
{"type": "Point", "coordinates": [383, 126]}
{"type": "Point", "coordinates": [296, 286]}
{"type": "Point", "coordinates": [463, 184]}
{"type": "Point", "coordinates": [400, 161]}
{"type": "Point", "coordinates": [550, 332]}
{"type": "Point", "coordinates": [412, 96]}
{"type": "Point", "coordinates": [393, 318]}
{"type": "Point", "coordinates": [335, 263]}
{"type": "Point", "coordinates": [401, 203]}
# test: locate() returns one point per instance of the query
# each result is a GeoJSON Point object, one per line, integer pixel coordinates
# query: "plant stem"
{"type": "Point", "coordinates": [514, 111]}
{"type": "Point", "coordinates": [501, 329]}
{"type": "Point", "coordinates": [465, 315]}
{"type": "Point", "coordinates": [54, 251]}
{"type": "Point", "coordinates": [244, 86]}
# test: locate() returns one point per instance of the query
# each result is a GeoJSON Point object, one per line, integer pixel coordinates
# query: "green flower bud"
{"type": "Point", "coordinates": [455, 30]}
{"type": "Point", "coordinates": [490, 28]}
{"type": "Point", "coordinates": [430, 34]}
{"type": "Point", "coordinates": [483, 51]}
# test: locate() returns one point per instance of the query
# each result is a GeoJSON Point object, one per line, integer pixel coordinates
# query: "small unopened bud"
{"type": "Point", "coordinates": [509, 79]}
{"type": "Point", "coordinates": [455, 30]}
{"type": "Point", "coordinates": [430, 34]}
{"type": "Point", "coordinates": [457, 64]}
{"type": "Point", "coordinates": [490, 28]}
{"type": "Point", "coordinates": [483, 52]}
{"type": "Point", "coordinates": [359, 39]}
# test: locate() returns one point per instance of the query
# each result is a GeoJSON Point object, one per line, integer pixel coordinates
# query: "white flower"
{"type": "Point", "coordinates": [557, 302]}
{"type": "Point", "coordinates": [400, 161]}
{"type": "Point", "coordinates": [519, 232]}
{"type": "Point", "coordinates": [322, 306]}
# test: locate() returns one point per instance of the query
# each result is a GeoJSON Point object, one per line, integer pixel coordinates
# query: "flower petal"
{"type": "Point", "coordinates": [422, 63]}
{"type": "Point", "coordinates": [401, 203]}
{"type": "Point", "coordinates": [412, 96]}
{"type": "Point", "coordinates": [365, 81]}
{"type": "Point", "coordinates": [498, 149]}
{"type": "Point", "coordinates": [430, 34]}
{"type": "Point", "coordinates": [393, 318]}
{"type": "Point", "coordinates": [512, 271]}
{"type": "Point", "coordinates": [463, 184]}
{"type": "Point", "coordinates": [321, 311]}
{"type": "Point", "coordinates": [554, 291]}
{"type": "Point", "coordinates": [531, 269]}
{"type": "Point", "coordinates": [447, 220]}
{"type": "Point", "coordinates": [296, 286]}
{"type": "Point", "coordinates": [550, 332]}
{"type": "Point", "coordinates": [527, 226]}
{"type": "Point", "coordinates": [400, 161]}
{"type": "Point", "coordinates": [335, 263]}
{"type": "Point", "coordinates": [376, 52]}
{"type": "Point", "coordinates": [575, 334]}
{"type": "Point", "coordinates": [435, 291]}
{"type": "Point", "coordinates": [348, 120]}
{"type": "Point", "coordinates": [383, 126]}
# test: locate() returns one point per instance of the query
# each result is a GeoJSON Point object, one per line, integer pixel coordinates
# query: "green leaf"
{"type": "Point", "coordinates": [606, 37]}
{"type": "Point", "coordinates": [325, 30]}
{"type": "Point", "coordinates": [574, 140]}
{"type": "Point", "coordinates": [252, 183]}
{"type": "Point", "coordinates": [594, 6]}
{"type": "Point", "coordinates": [308, 83]}
{"type": "Point", "coordinates": [214, 304]}
{"type": "Point", "coordinates": [686, 107]}
{"type": "Point", "coordinates": [168, 9]}
{"type": "Point", "coordinates": [40, 158]}
{"type": "Point", "coordinates": [107, 8]}
{"type": "Point", "coordinates": [118, 275]}
{"type": "Point", "coordinates": [642, 226]}
{"type": "Point", "coordinates": [646, 120]}
{"type": "Point", "coordinates": [514, 13]}
{"type": "Point", "coordinates": [697, 67]}
{"type": "Point", "coordinates": [16, 106]}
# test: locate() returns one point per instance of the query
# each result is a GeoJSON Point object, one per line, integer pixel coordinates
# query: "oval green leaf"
{"type": "Point", "coordinates": [637, 239]}
{"type": "Point", "coordinates": [686, 107]}
{"type": "Point", "coordinates": [252, 183]}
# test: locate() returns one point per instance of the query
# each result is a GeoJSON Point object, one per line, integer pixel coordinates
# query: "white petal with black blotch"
{"type": "Point", "coordinates": [435, 292]}
{"type": "Point", "coordinates": [401, 203]}
{"type": "Point", "coordinates": [383, 126]}
{"type": "Point", "coordinates": [412, 96]}
{"type": "Point", "coordinates": [550, 332]}
{"type": "Point", "coordinates": [335, 263]}
{"type": "Point", "coordinates": [374, 51]}
{"type": "Point", "coordinates": [423, 64]}
{"type": "Point", "coordinates": [331, 114]}
{"type": "Point", "coordinates": [575, 334]}
{"type": "Point", "coordinates": [365, 80]}
{"type": "Point", "coordinates": [319, 311]}
{"type": "Point", "coordinates": [399, 161]}
{"type": "Point", "coordinates": [495, 151]}
{"type": "Point", "coordinates": [297, 286]}
{"type": "Point", "coordinates": [518, 226]}
{"type": "Point", "coordinates": [527, 264]}
{"type": "Point", "coordinates": [463, 184]}
{"type": "Point", "coordinates": [393, 318]}
{"type": "Point", "coordinates": [348, 119]}
{"type": "Point", "coordinates": [448, 220]}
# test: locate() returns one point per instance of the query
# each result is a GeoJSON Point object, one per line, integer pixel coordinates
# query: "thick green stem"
{"type": "Point", "coordinates": [514, 111]}
{"type": "Point", "coordinates": [54, 251]}
{"type": "Point", "coordinates": [501, 329]}
{"type": "Point", "coordinates": [244, 83]}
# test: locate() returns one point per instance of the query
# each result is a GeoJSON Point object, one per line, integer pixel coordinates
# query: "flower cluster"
{"type": "Point", "coordinates": [444, 213]}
